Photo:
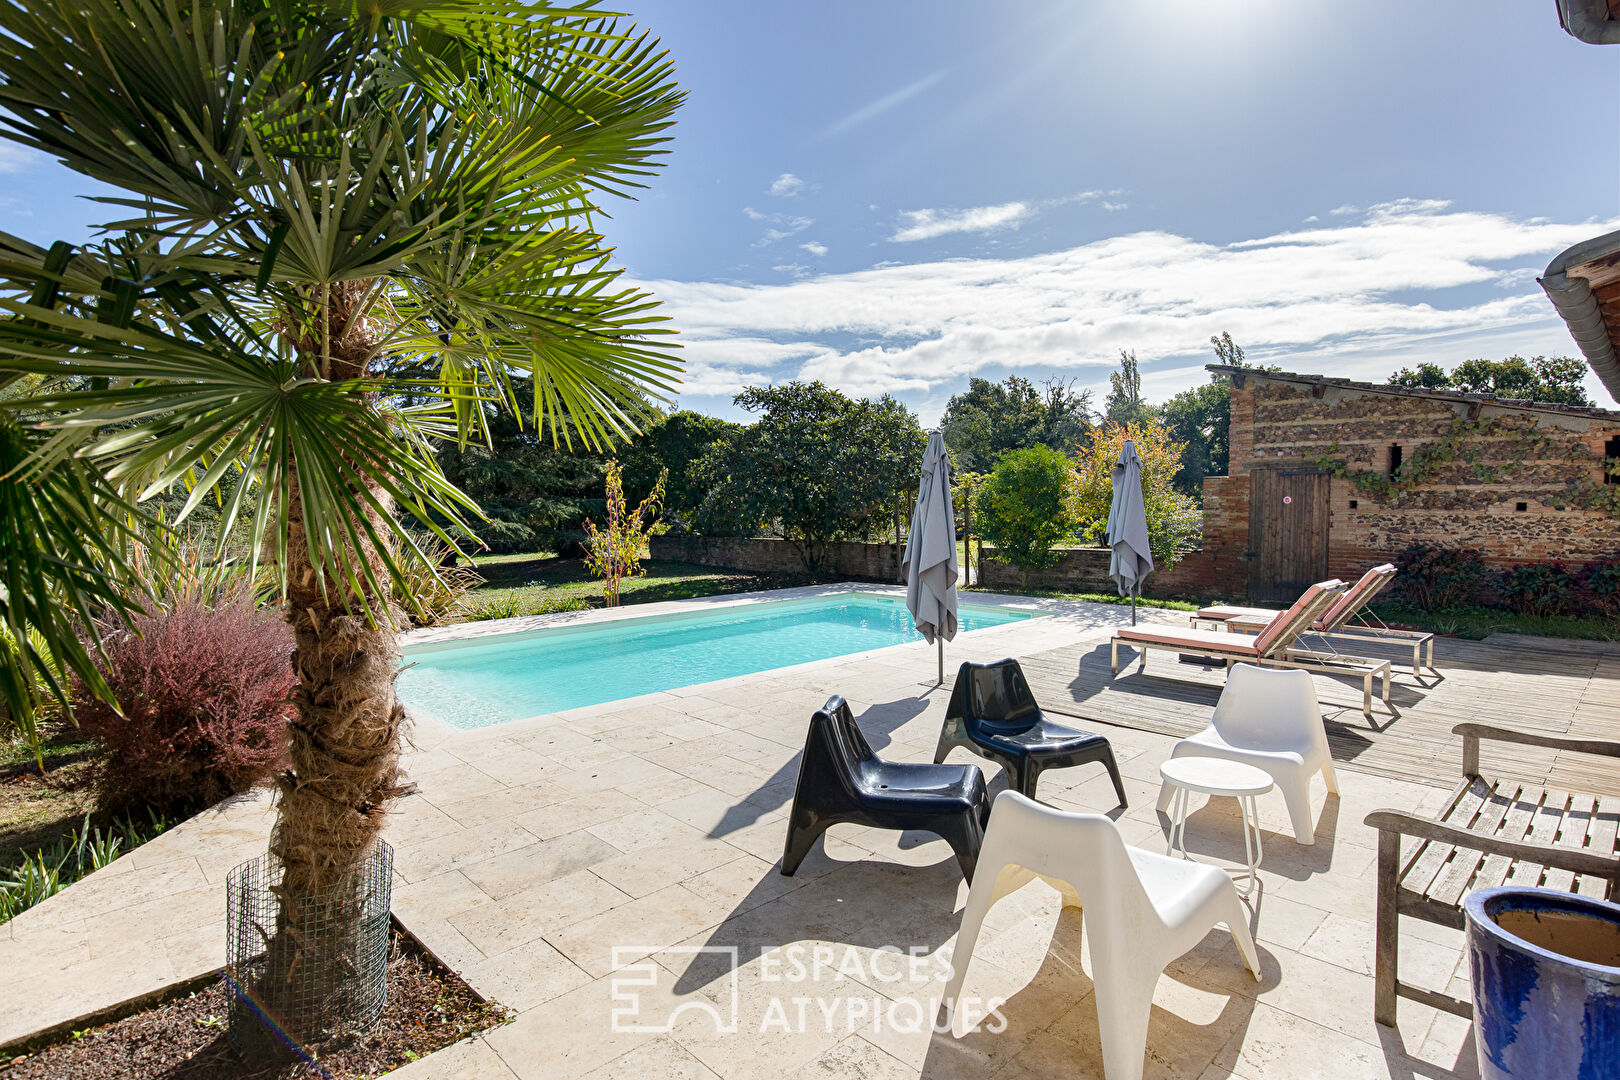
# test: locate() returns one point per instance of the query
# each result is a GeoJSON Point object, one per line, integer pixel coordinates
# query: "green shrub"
{"type": "Point", "coordinates": [1438, 578]}
{"type": "Point", "coordinates": [432, 598]}
{"type": "Point", "coordinates": [500, 607]}
{"type": "Point", "coordinates": [1540, 590]}
{"type": "Point", "coordinates": [556, 605]}
{"type": "Point", "coordinates": [1601, 580]}
{"type": "Point", "coordinates": [49, 870]}
{"type": "Point", "coordinates": [509, 607]}
{"type": "Point", "coordinates": [1027, 506]}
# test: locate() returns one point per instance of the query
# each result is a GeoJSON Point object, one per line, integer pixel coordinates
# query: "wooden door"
{"type": "Point", "coordinates": [1288, 532]}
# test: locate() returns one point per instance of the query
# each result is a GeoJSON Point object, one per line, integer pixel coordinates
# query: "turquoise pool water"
{"type": "Point", "coordinates": [490, 680]}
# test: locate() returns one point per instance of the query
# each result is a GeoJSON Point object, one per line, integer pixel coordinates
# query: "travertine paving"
{"type": "Point", "coordinates": [595, 870]}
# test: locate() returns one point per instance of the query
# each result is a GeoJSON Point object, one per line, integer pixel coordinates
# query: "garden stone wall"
{"type": "Point", "coordinates": [845, 561]}
{"type": "Point", "coordinates": [1079, 570]}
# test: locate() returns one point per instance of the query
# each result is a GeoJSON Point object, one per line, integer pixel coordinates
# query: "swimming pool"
{"type": "Point", "coordinates": [500, 677]}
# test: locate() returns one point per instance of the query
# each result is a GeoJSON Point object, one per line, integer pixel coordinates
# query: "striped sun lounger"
{"type": "Point", "coordinates": [1273, 646]}
{"type": "Point", "coordinates": [1336, 622]}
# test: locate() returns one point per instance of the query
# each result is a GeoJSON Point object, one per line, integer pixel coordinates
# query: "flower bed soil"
{"type": "Point", "coordinates": [428, 1008]}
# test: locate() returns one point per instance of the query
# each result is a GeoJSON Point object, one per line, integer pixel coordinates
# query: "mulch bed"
{"type": "Point", "coordinates": [428, 1008]}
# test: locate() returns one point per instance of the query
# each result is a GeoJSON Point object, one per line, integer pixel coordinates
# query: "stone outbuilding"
{"type": "Point", "coordinates": [1329, 476]}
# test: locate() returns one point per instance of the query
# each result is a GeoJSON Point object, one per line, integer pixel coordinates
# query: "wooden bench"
{"type": "Point", "coordinates": [1490, 832]}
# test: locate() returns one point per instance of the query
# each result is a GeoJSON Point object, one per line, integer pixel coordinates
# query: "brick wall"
{"type": "Point", "coordinates": [1277, 422]}
{"type": "Point", "coordinates": [846, 561]}
{"type": "Point", "coordinates": [1198, 575]}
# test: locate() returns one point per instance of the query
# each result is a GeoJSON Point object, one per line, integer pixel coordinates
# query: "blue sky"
{"type": "Point", "coordinates": [892, 196]}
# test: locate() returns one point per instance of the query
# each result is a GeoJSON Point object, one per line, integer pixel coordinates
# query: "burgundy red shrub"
{"type": "Point", "coordinates": [204, 699]}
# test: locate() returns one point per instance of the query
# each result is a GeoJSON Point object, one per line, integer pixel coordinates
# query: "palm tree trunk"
{"type": "Point", "coordinates": [344, 757]}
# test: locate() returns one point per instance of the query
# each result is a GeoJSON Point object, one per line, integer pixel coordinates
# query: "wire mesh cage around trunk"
{"type": "Point", "coordinates": [313, 968]}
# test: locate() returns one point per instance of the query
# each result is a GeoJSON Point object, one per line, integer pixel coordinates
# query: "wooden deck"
{"type": "Point", "coordinates": [1547, 684]}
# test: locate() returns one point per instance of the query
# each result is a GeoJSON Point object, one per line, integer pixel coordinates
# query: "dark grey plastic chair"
{"type": "Point", "coordinates": [842, 781]}
{"type": "Point", "coordinates": [993, 713]}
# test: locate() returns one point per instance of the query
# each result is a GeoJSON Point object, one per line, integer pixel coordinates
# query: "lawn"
{"type": "Point", "coordinates": [38, 810]}
{"type": "Point", "coordinates": [527, 584]}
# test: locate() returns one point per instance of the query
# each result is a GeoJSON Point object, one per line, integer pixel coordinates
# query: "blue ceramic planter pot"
{"type": "Point", "coordinates": [1545, 967]}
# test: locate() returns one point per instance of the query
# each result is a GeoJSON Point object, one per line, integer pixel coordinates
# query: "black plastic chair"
{"type": "Point", "coordinates": [842, 781]}
{"type": "Point", "coordinates": [993, 713]}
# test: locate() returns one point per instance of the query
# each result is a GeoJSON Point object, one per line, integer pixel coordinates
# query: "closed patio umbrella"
{"type": "Point", "coordinates": [930, 566]}
{"type": "Point", "coordinates": [1132, 560]}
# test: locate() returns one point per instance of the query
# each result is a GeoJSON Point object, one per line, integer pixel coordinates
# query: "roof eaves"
{"type": "Point", "coordinates": [1395, 389]}
{"type": "Point", "coordinates": [1589, 21]}
{"type": "Point", "coordinates": [1578, 306]}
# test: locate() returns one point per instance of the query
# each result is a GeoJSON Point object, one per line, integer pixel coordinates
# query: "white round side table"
{"type": "Point", "coordinates": [1216, 776]}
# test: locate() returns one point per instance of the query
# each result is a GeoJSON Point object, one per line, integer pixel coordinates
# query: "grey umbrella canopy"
{"type": "Point", "coordinates": [930, 566]}
{"type": "Point", "coordinates": [1132, 559]}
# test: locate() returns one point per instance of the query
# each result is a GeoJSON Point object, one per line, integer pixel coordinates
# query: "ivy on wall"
{"type": "Point", "coordinates": [1591, 495]}
{"type": "Point", "coordinates": [1461, 444]}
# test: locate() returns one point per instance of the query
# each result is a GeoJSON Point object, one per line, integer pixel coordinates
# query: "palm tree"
{"type": "Point", "coordinates": [342, 230]}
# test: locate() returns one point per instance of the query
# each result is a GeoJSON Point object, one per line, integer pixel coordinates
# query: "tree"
{"type": "Point", "coordinates": [533, 492]}
{"type": "Point", "coordinates": [989, 419]}
{"type": "Point", "coordinates": [315, 198]}
{"type": "Point", "coordinates": [1553, 379]}
{"type": "Point", "coordinates": [613, 552]}
{"type": "Point", "coordinates": [674, 444]}
{"type": "Point", "coordinates": [892, 443]}
{"type": "Point", "coordinates": [1426, 376]}
{"type": "Point", "coordinates": [816, 465]}
{"type": "Point", "coordinates": [1124, 404]}
{"type": "Point", "coordinates": [1026, 506]}
{"type": "Point", "coordinates": [1227, 351]}
{"type": "Point", "coordinates": [1174, 520]}
{"type": "Point", "coordinates": [1200, 419]}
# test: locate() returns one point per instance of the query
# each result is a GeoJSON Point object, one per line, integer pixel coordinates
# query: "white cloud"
{"type": "Point", "coordinates": [927, 224]}
{"type": "Point", "coordinates": [1345, 298]}
{"type": "Point", "coordinates": [1512, 279]}
{"type": "Point", "coordinates": [786, 185]}
{"type": "Point", "coordinates": [780, 226]}
{"type": "Point", "coordinates": [814, 247]}
{"type": "Point", "coordinates": [16, 159]}
{"type": "Point", "coordinates": [1112, 207]}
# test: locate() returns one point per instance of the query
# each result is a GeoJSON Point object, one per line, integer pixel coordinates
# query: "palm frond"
{"type": "Point", "coordinates": [315, 194]}
{"type": "Point", "coordinates": [62, 567]}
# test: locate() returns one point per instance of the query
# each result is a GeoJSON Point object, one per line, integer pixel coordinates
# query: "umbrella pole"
{"type": "Point", "coordinates": [1133, 609]}
{"type": "Point", "coordinates": [941, 642]}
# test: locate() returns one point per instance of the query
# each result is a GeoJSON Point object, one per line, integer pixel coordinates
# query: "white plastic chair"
{"type": "Point", "coordinates": [1268, 718]}
{"type": "Point", "coordinates": [1141, 909]}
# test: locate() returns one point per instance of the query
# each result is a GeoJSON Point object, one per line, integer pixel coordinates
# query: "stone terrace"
{"type": "Point", "coordinates": [532, 849]}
